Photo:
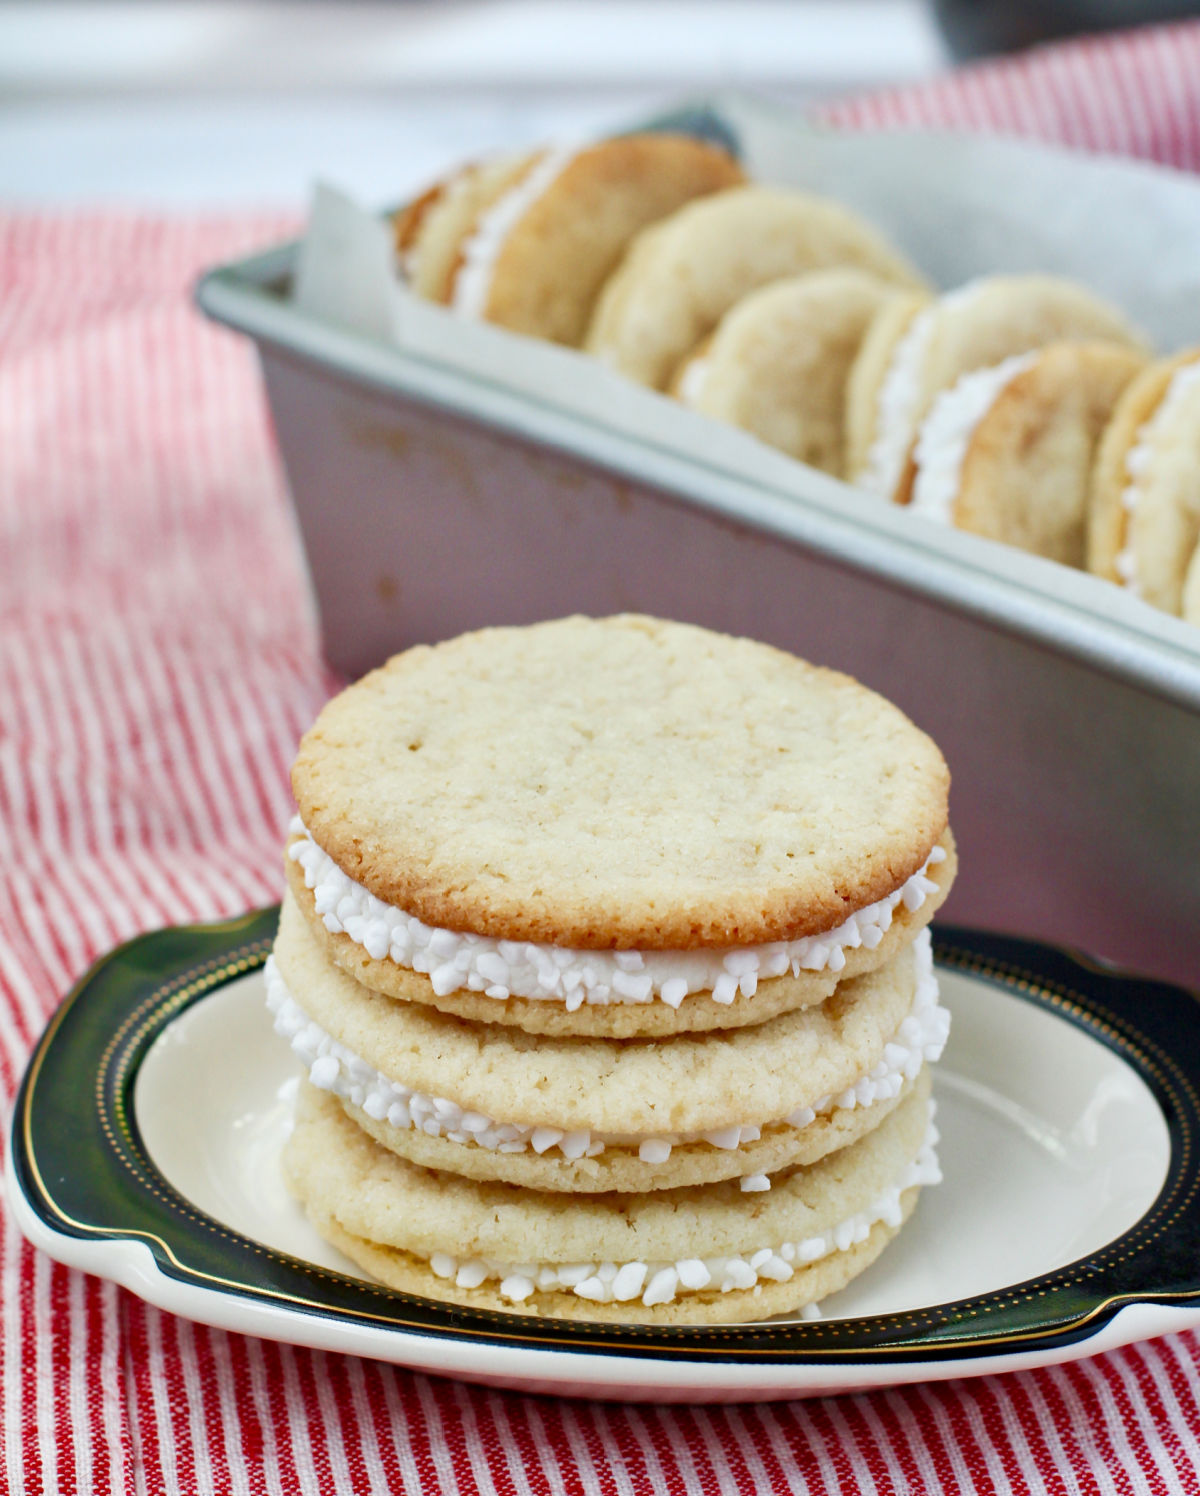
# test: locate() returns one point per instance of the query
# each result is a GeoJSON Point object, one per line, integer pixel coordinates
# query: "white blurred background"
{"type": "Point", "coordinates": [234, 102]}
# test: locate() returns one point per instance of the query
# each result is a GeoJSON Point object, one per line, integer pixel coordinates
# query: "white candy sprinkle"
{"type": "Point", "coordinates": [725, 988]}
{"type": "Point", "coordinates": [738, 1274]}
{"type": "Point", "coordinates": [724, 1137]}
{"type": "Point", "coordinates": [673, 991]}
{"type": "Point", "coordinates": [776, 1269]}
{"type": "Point", "coordinates": [693, 1273]}
{"type": "Point", "coordinates": [654, 1151]}
{"type": "Point", "coordinates": [324, 1072]}
{"type": "Point", "coordinates": [627, 1284]}
{"type": "Point", "coordinates": [574, 1144]}
{"type": "Point", "coordinates": [576, 1273]}
{"type": "Point", "coordinates": [662, 1287]}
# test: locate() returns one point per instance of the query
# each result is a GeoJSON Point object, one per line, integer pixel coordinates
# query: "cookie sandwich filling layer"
{"type": "Point", "coordinates": [455, 960]}
{"type": "Point", "coordinates": [1139, 459]}
{"type": "Point", "coordinates": [481, 248]}
{"type": "Point", "coordinates": [695, 377]}
{"type": "Point", "coordinates": [899, 395]}
{"type": "Point", "coordinates": [663, 1282]}
{"type": "Point", "coordinates": [948, 430]}
{"type": "Point", "coordinates": [332, 1067]}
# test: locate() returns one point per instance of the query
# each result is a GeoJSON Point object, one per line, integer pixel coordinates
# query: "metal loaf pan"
{"type": "Point", "coordinates": [432, 498]}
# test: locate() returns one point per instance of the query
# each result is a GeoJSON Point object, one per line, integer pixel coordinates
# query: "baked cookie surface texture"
{"type": "Point", "coordinates": [778, 362]}
{"type": "Point", "coordinates": [621, 917]}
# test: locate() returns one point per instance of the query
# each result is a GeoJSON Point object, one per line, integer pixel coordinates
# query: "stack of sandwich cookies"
{"type": "Point", "coordinates": [607, 1114]}
{"type": "Point", "coordinates": [619, 817]}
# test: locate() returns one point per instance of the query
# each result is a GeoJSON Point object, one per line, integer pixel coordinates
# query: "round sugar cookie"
{"type": "Point", "coordinates": [403, 1224]}
{"type": "Point", "coordinates": [620, 784]}
{"type": "Point", "coordinates": [978, 325]}
{"type": "Point", "coordinates": [779, 359]}
{"type": "Point", "coordinates": [1007, 451]}
{"type": "Point", "coordinates": [616, 1019]}
{"type": "Point", "coordinates": [1145, 512]}
{"type": "Point", "coordinates": [534, 258]}
{"type": "Point", "coordinates": [428, 231]}
{"type": "Point", "coordinates": [679, 277]}
{"type": "Point", "coordinates": [538, 1101]}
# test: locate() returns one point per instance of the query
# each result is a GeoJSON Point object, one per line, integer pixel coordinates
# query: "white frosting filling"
{"type": "Point", "coordinates": [480, 250]}
{"type": "Point", "coordinates": [695, 376]}
{"type": "Point", "coordinates": [454, 960]}
{"type": "Point", "coordinates": [1137, 464]}
{"type": "Point", "coordinates": [663, 1282]}
{"type": "Point", "coordinates": [899, 394]}
{"type": "Point", "coordinates": [408, 261]}
{"type": "Point", "coordinates": [947, 431]}
{"type": "Point", "coordinates": [332, 1067]}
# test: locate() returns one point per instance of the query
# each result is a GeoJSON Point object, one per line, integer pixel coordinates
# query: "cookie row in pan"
{"type": "Point", "coordinates": [1018, 407]}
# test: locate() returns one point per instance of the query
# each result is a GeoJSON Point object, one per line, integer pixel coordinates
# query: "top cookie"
{"type": "Point", "coordinates": [619, 783]}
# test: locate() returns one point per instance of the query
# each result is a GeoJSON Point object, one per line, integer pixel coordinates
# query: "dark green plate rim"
{"type": "Point", "coordinates": [81, 1165]}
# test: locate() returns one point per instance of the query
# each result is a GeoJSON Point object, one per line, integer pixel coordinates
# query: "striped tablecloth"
{"type": "Point", "coordinates": [158, 661]}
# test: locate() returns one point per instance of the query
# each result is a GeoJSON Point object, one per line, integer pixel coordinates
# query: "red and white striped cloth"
{"type": "Point", "coordinates": [157, 663]}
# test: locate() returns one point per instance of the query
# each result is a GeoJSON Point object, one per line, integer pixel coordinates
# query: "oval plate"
{"type": "Point", "coordinates": [146, 1134]}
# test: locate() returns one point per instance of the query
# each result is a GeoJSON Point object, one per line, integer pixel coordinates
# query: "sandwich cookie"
{"type": "Point", "coordinates": [903, 369]}
{"type": "Point", "coordinates": [1007, 451]}
{"type": "Point", "coordinates": [618, 813]}
{"type": "Point", "coordinates": [545, 234]}
{"type": "Point", "coordinates": [429, 232]}
{"type": "Point", "coordinates": [704, 1255]}
{"type": "Point", "coordinates": [679, 277]}
{"type": "Point", "coordinates": [601, 1114]}
{"type": "Point", "coordinates": [1145, 520]}
{"type": "Point", "coordinates": [610, 994]}
{"type": "Point", "coordinates": [778, 362]}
